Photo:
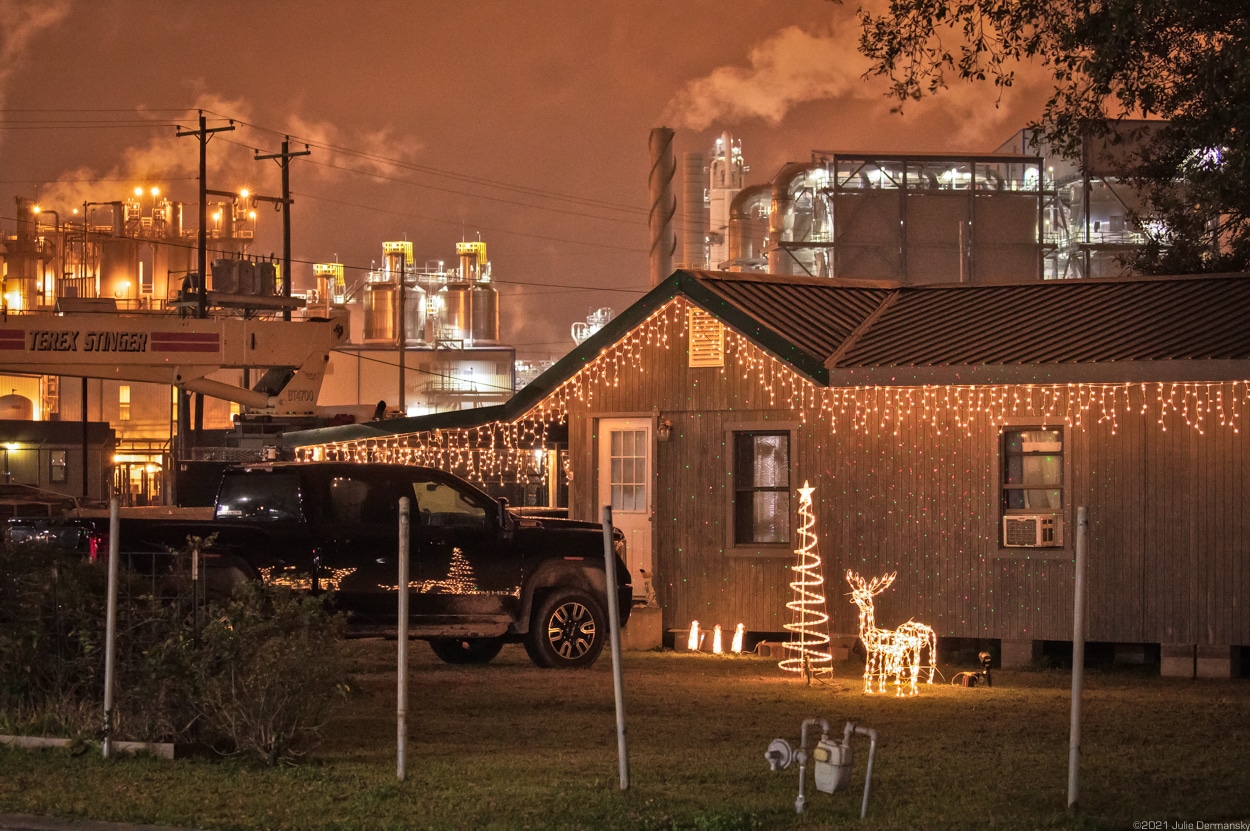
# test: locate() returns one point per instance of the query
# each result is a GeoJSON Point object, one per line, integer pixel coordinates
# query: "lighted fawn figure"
{"type": "Point", "coordinates": [891, 653]}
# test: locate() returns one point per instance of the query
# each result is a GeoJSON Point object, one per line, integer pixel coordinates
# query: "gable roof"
{"type": "Point", "coordinates": [844, 333]}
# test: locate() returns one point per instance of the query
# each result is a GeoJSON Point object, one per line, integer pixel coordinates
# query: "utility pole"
{"type": "Point", "coordinates": [284, 161]}
{"type": "Point", "coordinates": [203, 134]}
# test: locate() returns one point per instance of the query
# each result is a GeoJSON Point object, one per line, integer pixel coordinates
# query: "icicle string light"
{"type": "Point", "coordinates": [809, 643]}
{"type": "Point", "coordinates": [503, 451]}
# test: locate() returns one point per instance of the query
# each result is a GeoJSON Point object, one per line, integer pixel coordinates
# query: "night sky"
{"type": "Point", "coordinates": [524, 122]}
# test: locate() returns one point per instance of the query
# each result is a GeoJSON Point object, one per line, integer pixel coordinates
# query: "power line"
{"type": "Point", "coordinates": [480, 227]}
{"type": "Point", "coordinates": [493, 183]}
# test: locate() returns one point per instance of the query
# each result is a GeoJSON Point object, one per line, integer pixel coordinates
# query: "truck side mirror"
{"type": "Point", "coordinates": [503, 512]}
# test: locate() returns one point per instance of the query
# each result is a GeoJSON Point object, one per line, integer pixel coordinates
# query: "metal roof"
{"type": "Point", "coordinates": [845, 333]}
{"type": "Point", "coordinates": [1068, 322]}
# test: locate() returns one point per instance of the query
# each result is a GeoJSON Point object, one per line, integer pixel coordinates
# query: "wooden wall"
{"type": "Point", "coordinates": [1169, 507]}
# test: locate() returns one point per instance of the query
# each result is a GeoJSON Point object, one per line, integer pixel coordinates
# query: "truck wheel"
{"type": "Point", "coordinates": [568, 631]}
{"type": "Point", "coordinates": [466, 650]}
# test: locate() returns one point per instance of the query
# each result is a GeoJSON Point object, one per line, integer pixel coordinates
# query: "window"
{"type": "Point", "coordinates": [123, 402]}
{"type": "Point", "coordinates": [439, 504]}
{"type": "Point", "coordinates": [260, 496]}
{"type": "Point", "coordinates": [761, 474]}
{"type": "Point", "coordinates": [629, 470]}
{"type": "Point", "coordinates": [58, 464]}
{"type": "Point", "coordinates": [1032, 470]}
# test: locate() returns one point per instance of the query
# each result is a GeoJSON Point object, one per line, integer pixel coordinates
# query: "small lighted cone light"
{"type": "Point", "coordinates": [693, 643]}
{"type": "Point", "coordinates": [716, 644]}
{"type": "Point", "coordinates": [739, 634]}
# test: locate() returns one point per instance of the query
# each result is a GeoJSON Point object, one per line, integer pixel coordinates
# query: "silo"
{"type": "Point", "coordinates": [379, 302]}
{"type": "Point", "coordinates": [414, 314]}
{"type": "Point", "coordinates": [485, 309]}
{"type": "Point", "coordinates": [456, 316]}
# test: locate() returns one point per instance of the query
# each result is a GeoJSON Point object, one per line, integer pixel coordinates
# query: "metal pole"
{"type": "Point", "coordinates": [614, 634]}
{"type": "Point", "coordinates": [1078, 660]}
{"type": "Point", "coordinates": [401, 710]}
{"type": "Point", "coordinates": [86, 445]}
{"type": "Point", "coordinates": [286, 228]}
{"type": "Point", "coordinates": [401, 331]}
{"type": "Point", "coordinates": [201, 254]}
{"type": "Point", "coordinates": [110, 626]}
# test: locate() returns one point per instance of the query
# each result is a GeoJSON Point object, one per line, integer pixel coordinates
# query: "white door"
{"type": "Point", "coordinates": [625, 478]}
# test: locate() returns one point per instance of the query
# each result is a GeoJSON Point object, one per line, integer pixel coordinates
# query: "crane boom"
{"type": "Point", "coordinates": [182, 351]}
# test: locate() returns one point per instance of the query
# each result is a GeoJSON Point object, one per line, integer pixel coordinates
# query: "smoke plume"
{"type": "Point", "coordinates": [21, 22]}
{"type": "Point", "coordinates": [788, 68]}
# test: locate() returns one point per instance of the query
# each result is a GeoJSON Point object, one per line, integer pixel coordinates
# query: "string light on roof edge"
{"type": "Point", "coordinates": [810, 653]}
{"type": "Point", "coordinates": [501, 451]}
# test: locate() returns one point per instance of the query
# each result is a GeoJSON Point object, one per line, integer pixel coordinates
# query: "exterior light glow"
{"type": "Point", "coordinates": [500, 451]}
{"type": "Point", "coordinates": [810, 650]}
{"type": "Point", "coordinates": [739, 634]}
{"type": "Point", "coordinates": [692, 643]}
{"type": "Point", "coordinates": [891, 653]}
{"type": "Point", "coordinates": [717, 649]}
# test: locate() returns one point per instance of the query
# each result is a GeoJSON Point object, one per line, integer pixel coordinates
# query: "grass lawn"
{"type": "Point", "coordinates": [509, 746]}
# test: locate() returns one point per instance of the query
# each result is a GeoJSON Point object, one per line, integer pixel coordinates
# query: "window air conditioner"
{"type": "Point", "coordinates": [1033, 531]}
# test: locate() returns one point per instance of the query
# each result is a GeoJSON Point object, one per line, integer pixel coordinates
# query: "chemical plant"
{"type": "Point", "coordinates": [100, 319]}
{"type": "Point", "coordinates": [110, 291]}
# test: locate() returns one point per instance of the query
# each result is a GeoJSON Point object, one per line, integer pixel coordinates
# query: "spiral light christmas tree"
{"type": "Point", "coordinates": [809, 651]}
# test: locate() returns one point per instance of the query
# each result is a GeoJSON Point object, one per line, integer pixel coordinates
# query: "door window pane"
{"type": "Point", "coordinates": [628, 470]}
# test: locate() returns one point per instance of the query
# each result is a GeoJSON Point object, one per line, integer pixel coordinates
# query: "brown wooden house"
{"type": "Point", "coordinates": [950, 433]}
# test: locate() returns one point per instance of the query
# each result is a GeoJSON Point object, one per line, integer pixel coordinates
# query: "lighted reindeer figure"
{"type": "Point", "coordinates": [891, 653]}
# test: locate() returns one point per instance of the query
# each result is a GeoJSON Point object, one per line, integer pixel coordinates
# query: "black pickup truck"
{"type": "Point", "coordinates": [479, 575]}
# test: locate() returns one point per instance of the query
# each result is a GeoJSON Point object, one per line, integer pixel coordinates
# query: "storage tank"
{"type": "Point", "coordinates": [484, 303]}
{"type": "Point", "coordinates": [380, 299]}
{"type": "Point", "coordinates": [456, 316]}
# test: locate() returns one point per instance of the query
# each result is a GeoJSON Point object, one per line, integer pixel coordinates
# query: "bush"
{"type": "Point", "coordinates": [267, 667]}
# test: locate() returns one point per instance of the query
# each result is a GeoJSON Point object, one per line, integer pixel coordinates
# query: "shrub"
{"type": "Point", "coordinates": [269, 668]}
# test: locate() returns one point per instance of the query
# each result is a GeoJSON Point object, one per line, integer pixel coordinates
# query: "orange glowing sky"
{"type": "Point", "coordinates": [524, 122]}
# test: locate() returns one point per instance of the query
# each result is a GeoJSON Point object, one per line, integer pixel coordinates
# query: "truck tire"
{"type": "Point", "coordinates": [568, 630]}
{"type": "Point", "coordinates": [466, 650]}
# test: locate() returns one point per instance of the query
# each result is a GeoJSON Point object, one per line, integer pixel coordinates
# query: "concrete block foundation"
{"type": "Point", "coordinates": [644, 630]}
{"type": "Point", "coordinates": [1177, 660]}
{"type": "Point", "coordinates": [1215, 661]}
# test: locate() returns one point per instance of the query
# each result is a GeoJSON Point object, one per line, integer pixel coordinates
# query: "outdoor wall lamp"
{"type": "Point", "coordinates": [664, 429]}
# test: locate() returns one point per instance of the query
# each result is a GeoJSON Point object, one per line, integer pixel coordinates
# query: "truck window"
{"type": "Point", "coordinates": [441, 504]}
{"type": "Point", "coordinates": [259, 496]}
{"type": "Point", "coordinates": [356, 502]}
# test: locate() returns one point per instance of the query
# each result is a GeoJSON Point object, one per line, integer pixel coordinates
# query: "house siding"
{"type": "Point", "coordinates": [1167, 504]}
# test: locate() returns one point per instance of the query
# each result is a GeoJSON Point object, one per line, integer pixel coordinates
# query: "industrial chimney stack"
{"type": "Point", "coordinates": [663, 204]}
